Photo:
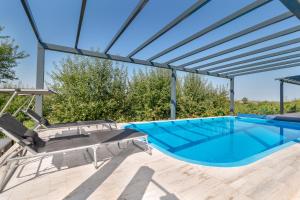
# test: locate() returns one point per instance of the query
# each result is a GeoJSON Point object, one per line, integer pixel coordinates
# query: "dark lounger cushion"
{"type": "Point", "coordinates": [34, 138]}
{"type": "Point", "coordinates": [18, 130]}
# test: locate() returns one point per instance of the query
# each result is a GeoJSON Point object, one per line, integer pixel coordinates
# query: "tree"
{"type": "Point", "coordinates": [9, 54]}
{"type": "Point", "coordinates": [88, 88]}
{"type": "Point", "coordinates": [91, 88]}
{"type": "Point", "coordinates": [149, 95]}
{"type": "Point", "coordinates": [198, 98]}
{"type": "Point", "coordinates": [244, 100]}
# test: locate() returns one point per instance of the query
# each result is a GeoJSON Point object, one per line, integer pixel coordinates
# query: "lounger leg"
{"type": "Point", "coordinates": [95, 156]}
{"type": "Point", "coordinates": [148, 150]}
{"type": "Point", "coordinates": [123, 144]}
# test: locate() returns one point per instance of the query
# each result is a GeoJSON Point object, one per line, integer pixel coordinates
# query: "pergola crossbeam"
{"type": "Point", "coordinates": [268, 69]}
{"type": "Point", "coordinates": [233, 69]}
{"type": "Point", "coordinates": [246, 31]}
{"type": "Point", "coordinates": [82, 10]}
{"type": "Point", "coordinates": [270, 55]}
{"type": "Point", "coordinates": [286, 80]}
{"type": "Point", "coordinates": [196, 6]}
{"type": "Point", "coordinates": [59, 48]}
{"type": "Point", "coordinates": [293, 6]}
{"type": "Point", "coordinates": [250, 53]}
{"type": "Point", "coordinates": [214, 26]}
{"type": "Point", "coordinates": [128, 21]}
{"type": "Point", "coordinates": [263, 67]}
{"type": "Point", "coordinates": [31, 20]}
{"type": "Point", "coordinates": [259, 63]}
{"type": "Point", "coordinates": [242, 46]}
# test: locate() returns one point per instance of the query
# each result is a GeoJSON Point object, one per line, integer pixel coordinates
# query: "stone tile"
{"type": "Point", "coordinates": [131, 174]}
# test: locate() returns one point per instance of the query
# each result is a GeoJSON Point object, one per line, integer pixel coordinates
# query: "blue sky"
{"type": "Point", "coordinates": [57, 21]}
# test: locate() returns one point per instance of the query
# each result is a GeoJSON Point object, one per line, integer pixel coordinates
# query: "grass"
{"type": "Point", "coordinates": [29, 124]}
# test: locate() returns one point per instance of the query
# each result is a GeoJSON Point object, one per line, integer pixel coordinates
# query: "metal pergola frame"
{"type": "Point", "coordinates": [295, 80]}
{"type": "Point", "coordinates": [227, 71]}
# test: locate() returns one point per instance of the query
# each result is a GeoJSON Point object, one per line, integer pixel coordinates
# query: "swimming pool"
{"type": "Point", "coordinates": [220, 141]}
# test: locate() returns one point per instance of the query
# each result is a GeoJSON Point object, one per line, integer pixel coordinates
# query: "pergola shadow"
{"type": "Point", "coordinates": [137, 186]}
{"type": "Point", "coordinates": [113, 156]}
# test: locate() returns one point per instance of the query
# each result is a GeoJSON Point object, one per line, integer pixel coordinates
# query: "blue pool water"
{"type": "Point", "coordinates": [224, 141]}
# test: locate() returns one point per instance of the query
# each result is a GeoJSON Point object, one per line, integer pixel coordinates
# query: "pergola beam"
{"type": "Point", "coordinates": [278, 53]}
{"type": "Point", "coordinates": [242, 46]}
{"type": "Point", "coordinates": [82, 10]}
{"type": "Point", "coordinates": [286, 80]}
{"type": "Point", "coordinates": [250, 53]}
{"type": "Point", "coordinates": [259, 63]}
{"type": "Point", "coordinates": [293, 6]}
{"type": "Point", "coordinates": [59, 48]}
{"type": "Point", "coordinates": [263, 67]}
{"type": "Point", "coordinates": [31, 20]}
{"type": "Point", "coordinates": [212, 27]}
{"type": "Point", "coordinates": [128, 21]}
{"type": "Point", "coordinates": [169, 26]}
{"type": "Point", "coordinates": [268, 69]}
{"type": "Point", "coordinates": [246, 31]}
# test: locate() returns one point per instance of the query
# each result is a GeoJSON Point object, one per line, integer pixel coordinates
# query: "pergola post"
{"type": "Point", "coordinates": [173, 94]}
{"type": "Point", "coordinates": [40, 78]}
{"type": "Point", "coordinates": [281, 98]}
{"type": "Point", "coordinates": [232, 96]}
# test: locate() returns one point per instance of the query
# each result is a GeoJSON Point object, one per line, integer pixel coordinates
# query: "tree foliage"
{"type": "Point", "coordinates": [90, 88]}
{"type": "Point", "coordinates": [198, 98]}
{"type": "Point", "coordinates": [149, 95]}
{"type": "Point", "coordinates": [245, 100]}
{"type": "Point", "coordinates": [9, 55]}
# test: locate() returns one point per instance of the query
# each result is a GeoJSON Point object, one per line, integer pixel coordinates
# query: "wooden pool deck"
{"type": "Point", "coordinates": [134, 175]}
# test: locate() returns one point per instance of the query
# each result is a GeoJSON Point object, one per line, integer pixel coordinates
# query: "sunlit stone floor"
{"type": "Point", "coordinates": [131, 174]}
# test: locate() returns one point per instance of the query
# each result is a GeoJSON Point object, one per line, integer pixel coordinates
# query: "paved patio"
{"type": "Point", "coordinates": [133, 175]}
{"type": "Point", "coordinates": [292, 117]}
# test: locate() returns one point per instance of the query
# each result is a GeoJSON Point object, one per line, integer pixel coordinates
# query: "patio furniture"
{"type": "Point", "coordinates": [29, 140]}
{"type": "Point", "coordinates": [44, 123]}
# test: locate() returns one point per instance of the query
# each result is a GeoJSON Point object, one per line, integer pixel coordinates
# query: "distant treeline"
{"type": "Point", "coordinates": [90, 88]}
{"type": "Point", "coordinates": [266, 107]}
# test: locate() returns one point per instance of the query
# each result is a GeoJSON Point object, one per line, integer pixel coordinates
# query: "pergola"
{"type": "Point", "coordinates": [291, 80]}
{"type": "Point", "coordinates": [228, 71]}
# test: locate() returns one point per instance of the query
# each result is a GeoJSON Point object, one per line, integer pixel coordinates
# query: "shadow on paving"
{"type": "Point", "coordinates": [136, 188]}
{"type": "Point", "coordinates": [114, 153]}
{"type": "Point", "coordinates": [84, 190]}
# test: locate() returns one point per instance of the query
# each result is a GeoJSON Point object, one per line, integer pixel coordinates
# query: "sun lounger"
{"type": "Point", "coordinates": [44, 123]}
{"type": "Point", "coordinates": [30, 141]}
